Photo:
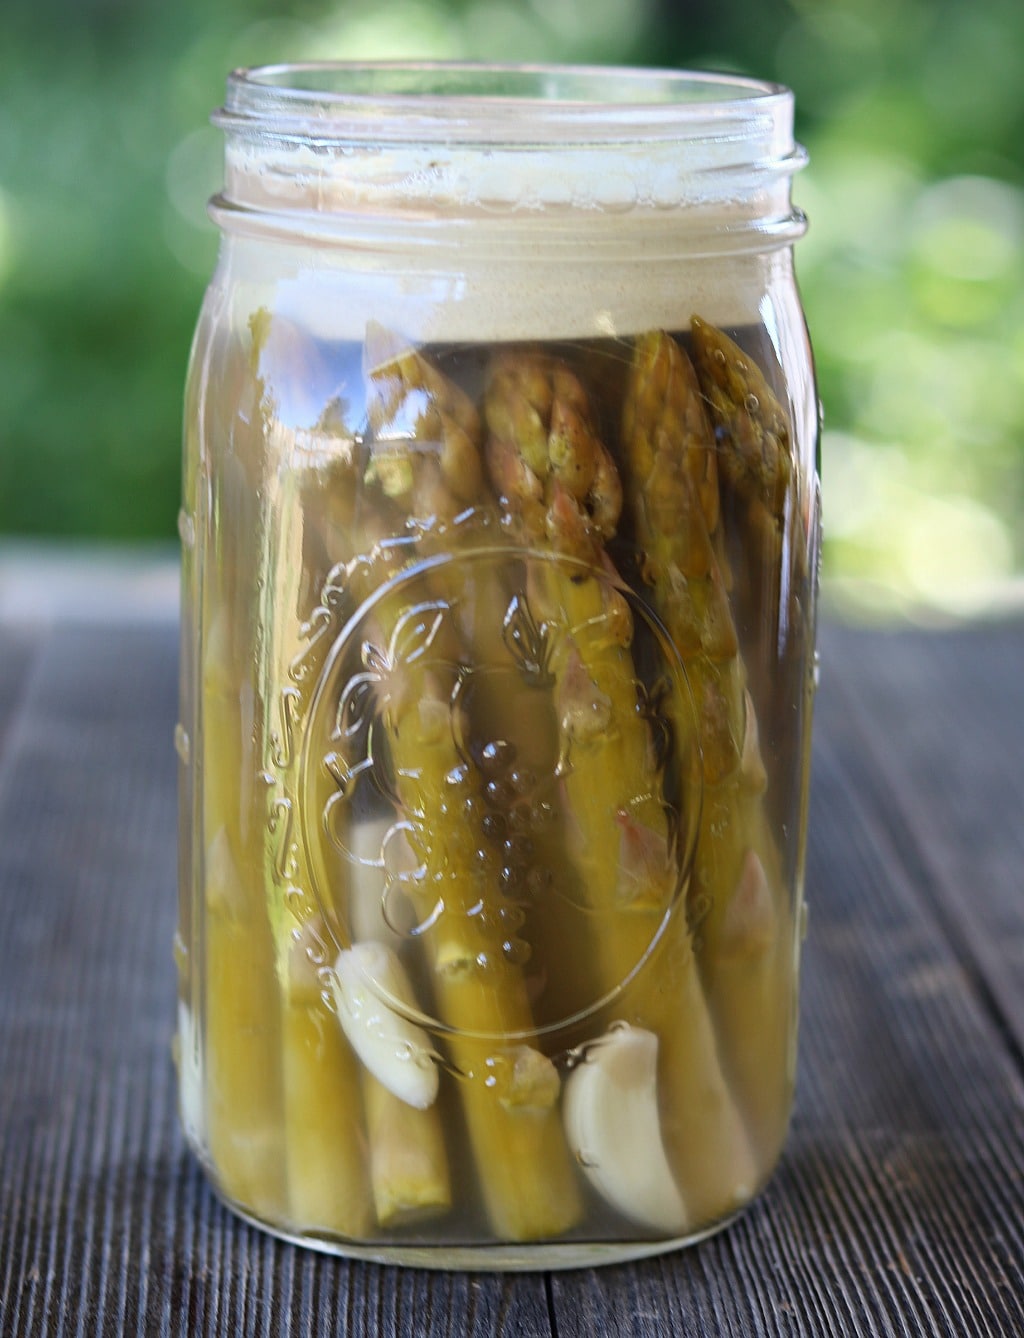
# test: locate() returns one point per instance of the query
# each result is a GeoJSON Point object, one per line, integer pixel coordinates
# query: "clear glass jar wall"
{"type": "Point", "coordinates": [499, 545]}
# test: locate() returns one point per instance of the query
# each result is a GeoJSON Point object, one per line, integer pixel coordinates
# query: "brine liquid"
{"type": "Point", "coordinates": [382, 756]}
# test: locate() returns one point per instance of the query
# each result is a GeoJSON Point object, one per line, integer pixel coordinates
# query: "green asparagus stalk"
{"type": "Point", "coordinates": [324, 1181]}
{"type": "Point", "coordinates": [509, 1090]}
{"type": "Point", "coordinates": [443, 495]}
{"type": "Point", "coordinates": [671, 485]}
{"type": "Point", "coordinates": [738, 900]}
{"type": "Point", "coordinates": [241, 1007]}
{"type": "Point", "coordinates": [561, 496]}
{"type": "Point", "coordinates": [239, 1013]}
{"type": "Point", "coordinates": [324, 1087]}
{"type": "Point", "coordinates": [424, 466]}
{"type": "Point", "coordinates": [408, 1160]}
{"type": "Point", "coordinates": [768, 519]}
{"type": "Point", "coordinates": [324, 1139]}
{"type": "Point", "coordinates": [758, 461]}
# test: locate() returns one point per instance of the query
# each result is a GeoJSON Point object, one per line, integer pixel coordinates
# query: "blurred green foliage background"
{"type": "Point", "coordinates": [913, 271]}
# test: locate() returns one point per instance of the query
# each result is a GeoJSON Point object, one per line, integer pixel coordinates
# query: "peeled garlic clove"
{"type": "Point", "coordinates": [610, 1109]}
{"type": "Point", "coordinates": [396, 1051]}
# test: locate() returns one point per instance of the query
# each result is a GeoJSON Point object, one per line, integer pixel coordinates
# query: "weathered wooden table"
{"type": "Point", "coordinates": [899, 1207]}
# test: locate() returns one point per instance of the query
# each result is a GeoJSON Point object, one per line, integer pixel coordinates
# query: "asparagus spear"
{"type": "Point", "coordinates": [769, 524]}
{"type": "Point", "coordinates": [318, 1171]}
{"type": "Point", "coordinates": [745, 954]}
{"type": "Point", "coordinates": [757, 462]}
{"type": "Point", "coordinates": [324, 1140]}
{"type": "Point", "coordinates": [447, 502]}
{"type": "Point", "coordinates": [324, 1089]}
{"type": "Point", "coordinates": [240, 1000]}
{"type": "Point", "coordinates": [241, 1007]}
{"type": "Point", "coordinates": [671, 484]}
{"type": "Point", "coordinates": [561, 496]}
{"type": "Point", "coordinates": [508, 1090]}
{"type": "Point", "coordinates": [408, 1159]}
{"type": "Point", "coordinates": [425, 465]}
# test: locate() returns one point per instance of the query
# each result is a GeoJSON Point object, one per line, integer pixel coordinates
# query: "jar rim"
{"type": "Point", "coordinates": [467, 102]}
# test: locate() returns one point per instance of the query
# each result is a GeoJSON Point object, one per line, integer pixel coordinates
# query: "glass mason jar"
{"type": "Point", "coordinates": [500, 534]}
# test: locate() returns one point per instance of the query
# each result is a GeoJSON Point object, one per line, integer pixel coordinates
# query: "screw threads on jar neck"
{"type": "Point", "coordinates": [539, 152]}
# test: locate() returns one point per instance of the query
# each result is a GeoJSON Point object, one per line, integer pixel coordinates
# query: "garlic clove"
{"type": "Point", "coordinates": [395, 1050]}
{"type": "Point", "coordinates": [610, 1110]}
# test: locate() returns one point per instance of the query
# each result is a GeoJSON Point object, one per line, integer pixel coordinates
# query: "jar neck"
{"type": "Point", "coordinates": [531, 155]}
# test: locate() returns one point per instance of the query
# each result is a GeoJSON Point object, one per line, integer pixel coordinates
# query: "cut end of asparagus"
{"type": "Point", "coordinates": [529, 1080]}
{"type": "Point", "coordinates": [408, 1163]}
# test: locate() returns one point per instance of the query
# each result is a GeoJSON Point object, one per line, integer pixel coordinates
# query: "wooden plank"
{"type": "Point", "coordinates": [898, 1205]}
{"type": "Point", "coordinates": [106, 1224]}
{"type": "Point", "coordinates": [940, 719]}
{"type": "Point", "coordinates": [84, 875]}
{"type": "Point", "coordinates": [18, 645]}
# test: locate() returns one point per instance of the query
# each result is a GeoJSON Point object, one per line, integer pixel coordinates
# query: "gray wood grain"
{"type": "Point", "coordinates": [898, 1205]}
{"type": "Point", "coordinates": [106, 1224]}
{"type": "Point", "coordinates": [17, 647]}
{"type": "Point", "coordinates": [898, 1208]}
{"type": "Point", "coordinates": [936, 722]}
